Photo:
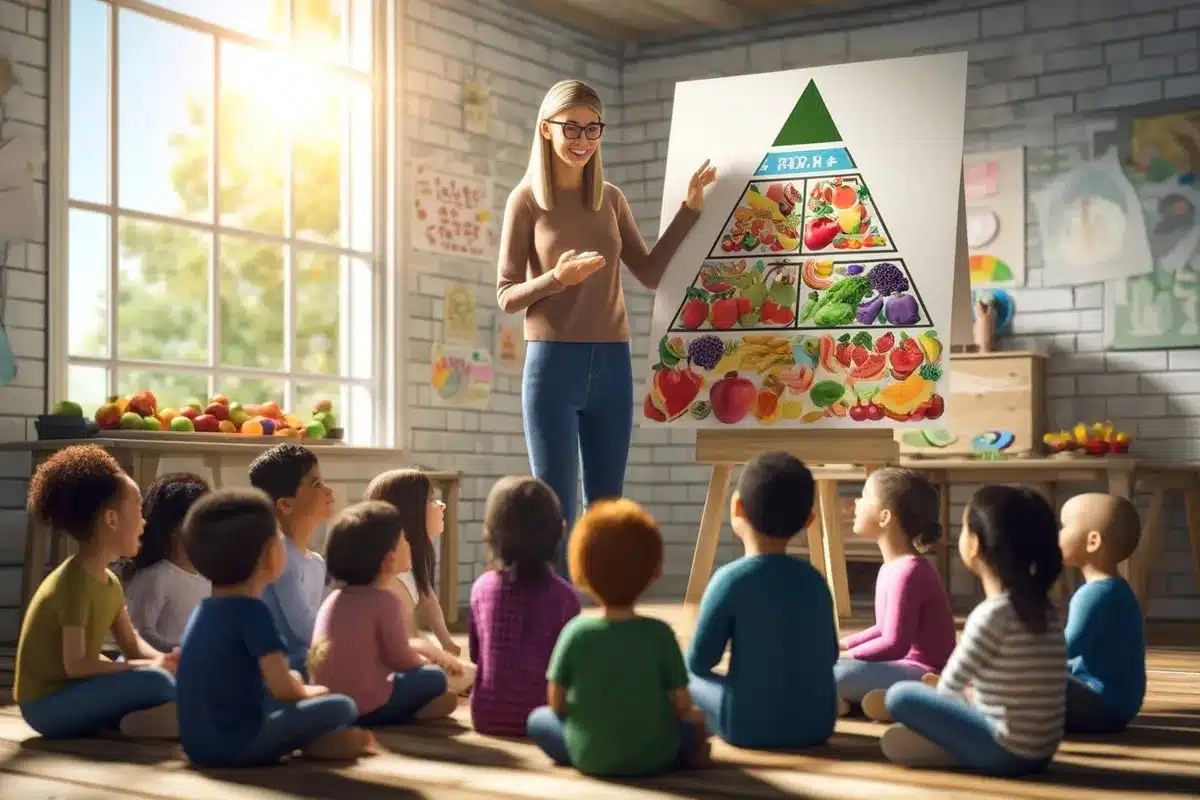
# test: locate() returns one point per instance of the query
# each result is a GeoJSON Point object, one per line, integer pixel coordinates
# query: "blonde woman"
{"type": "Point", "coordinates": [565, 230]}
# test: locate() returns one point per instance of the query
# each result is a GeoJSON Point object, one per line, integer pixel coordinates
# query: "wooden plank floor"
{"type": "Point", "coordinates": [1156, 758]}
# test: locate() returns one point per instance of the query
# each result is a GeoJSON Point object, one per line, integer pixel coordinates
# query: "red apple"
{"type": "Point", "coordinates": [218, 410]}
{"type": "Point", "coordinates": [143, 404]}
{"type": "Point", "coordinates": [819, 232]}
{"type": "Point", "coordinates": [206, 423]}
{"type": "Point", "coordinates": [731, 398]}
{"type": "Point", "coordinates": [190, 413]}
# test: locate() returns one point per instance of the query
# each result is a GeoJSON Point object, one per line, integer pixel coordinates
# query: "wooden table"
{"type": "Point", "coordinates": [1118, 475]}
{"type": "Point", "coordinates": [140, 458]}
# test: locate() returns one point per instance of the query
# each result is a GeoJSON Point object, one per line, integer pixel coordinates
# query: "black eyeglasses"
{"type": "Point", "coordinates": [571, 130]}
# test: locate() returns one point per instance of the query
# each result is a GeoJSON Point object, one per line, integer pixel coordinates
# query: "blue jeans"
{"type": "Point", "coordinates": [288, 727]}
{"type": "Point", "coordinates": [91, 705]}
{"type": "Point", "coordinates": [548, 731]}
{"type": "Point", "coordinates": [811, 729]}
{"type": "Point", "coordinates": [577, 408]}
{"type": "Point", "coordinates": [1086, 712]}
{"type": "Point", "coordinates": [960, 729]}
{"type": "Point", "coordinates": [855, 679]}
{"type": "Point", "coordinates": [411, 691]}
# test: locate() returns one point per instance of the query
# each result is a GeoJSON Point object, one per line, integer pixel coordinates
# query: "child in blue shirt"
{"type": "Point", "coordinates": [291, 477]}
{"type": "Point", "coordinates": [239, 704]}
{"type": "Point", "coordinates": [776, 614]}
{"type": "Point", "coordinates": [1106, 637]}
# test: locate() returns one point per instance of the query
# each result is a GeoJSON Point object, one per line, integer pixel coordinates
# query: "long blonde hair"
{"type": "Point", "coordinates": [540, 174]}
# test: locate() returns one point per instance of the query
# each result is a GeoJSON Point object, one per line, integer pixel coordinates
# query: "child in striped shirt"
{"type": "Point", "coordinates": [1000, 704]}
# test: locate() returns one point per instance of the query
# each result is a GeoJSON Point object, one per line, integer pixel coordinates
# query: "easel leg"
{"type": "Point", "coordinates": [1120, 484]}
{"type": "Point", "coordinates": [1191, 501]}
{"type": "Point", "coordinates": [1143, 558]}
{"type": "Point", "coordinates": [710, 533]}
{"type": "Point", "coordinates": [835, 554]}
{"type": "Point", "coordinates": [943, 545]}
{"type": "Point", "coordinates": [816, 540]}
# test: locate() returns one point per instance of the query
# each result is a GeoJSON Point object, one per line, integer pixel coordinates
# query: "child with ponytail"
{"type": "Point", "coordinates": [1000, 703]}
{"type": "Point", "coordinates": [914, 633]}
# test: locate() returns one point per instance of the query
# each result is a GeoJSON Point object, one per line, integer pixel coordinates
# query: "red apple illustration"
{"type": "Point", "coordinates": [731, 398]}
{"type": "Point", "coordinates": [819, 232]}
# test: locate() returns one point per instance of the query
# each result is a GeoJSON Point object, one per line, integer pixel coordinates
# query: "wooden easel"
{"type": "Point", "coordinates": [869, 448]}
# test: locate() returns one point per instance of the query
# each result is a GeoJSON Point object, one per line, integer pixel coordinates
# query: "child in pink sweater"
{"type": "Point", "coordinates": [914, 631]}
{"type": "Point", "coordinates": [361, 637]}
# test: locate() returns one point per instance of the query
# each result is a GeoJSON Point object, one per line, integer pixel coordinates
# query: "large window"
{"type": "Point", "coordinates": [224, 204]}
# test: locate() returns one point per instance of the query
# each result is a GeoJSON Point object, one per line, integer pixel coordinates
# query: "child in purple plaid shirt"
{"type": "Point", "coordinates": [518, 609]}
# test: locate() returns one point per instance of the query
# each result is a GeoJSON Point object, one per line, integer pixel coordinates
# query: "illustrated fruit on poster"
{"type": "Point", "coordinates": [737, 295]}
{"type": "Point", "coordinates": [672, 392]}
{"type": "Point", "coordinates": [732, 397]}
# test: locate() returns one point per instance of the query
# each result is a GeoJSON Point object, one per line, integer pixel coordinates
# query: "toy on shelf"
{"type": "Point", "coordinates": [1101, 438]}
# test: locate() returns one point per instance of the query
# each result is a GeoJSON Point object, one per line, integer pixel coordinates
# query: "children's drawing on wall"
{"type": "Point", "coordinates": [458, 314]}
{"type": "Point", "coordinates": [1091, 226]}
{"type": "Point", "coordinates": [1161, 153]}
{"type": "Point", "coordinates": [994, 187]}
{"type": "Point", "coordinates": [451, 212]}
{"type": "Point", "coordinates": [461, 375]}
{"type": "Point", "coordinates": [509, 345]}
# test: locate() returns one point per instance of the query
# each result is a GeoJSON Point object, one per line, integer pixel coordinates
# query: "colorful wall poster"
{"type": "Point", "coordinates": [509, 344]}
{"type": "Point", "coordinates": [1091, 225]}
{"type": "Point", "coordinates": [1160, 150]}
{"type": "Point", "coordinates": [461, 375]}
{"type": "Point", "coordinates": [477, 108]}
{"type": "Point", "coordinates": [994, 189]}
{"type": "Point", "coordinates": [451, 213]}
{"type": "Point", "coordinates": [816, 288]}
{"type": "Point", "coordinates": [459, 319]}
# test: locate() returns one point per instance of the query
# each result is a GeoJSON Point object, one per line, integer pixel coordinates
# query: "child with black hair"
{"type": "Point", "coordinates": [290, 475]}
{"type": "Point", "coordinates": [422, 517]}
{"type": "Point", "coordinates": [999, 705]}
{"type": "Point", "coordinates": [775, 613]}
{"type": "Point", "coordinates": [616, 684]}
{"type": "Point", "coordinates": [914, 631]}
{"type": "Point", "coordinates": [519, 608]}
{"type": "Point", "coordinates": [164, 587]}
{"type": "Point", "coordinates": [64, 687]}
{"type": "Point", "coordinates": [361, 639]}
{"type": "Point", "coordinates": [239, 704]}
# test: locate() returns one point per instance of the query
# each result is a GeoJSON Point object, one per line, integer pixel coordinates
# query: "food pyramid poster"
{"type": "Point", "coordinates": [816, 288]}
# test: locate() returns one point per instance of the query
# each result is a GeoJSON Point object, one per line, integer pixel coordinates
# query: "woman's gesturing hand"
{"type": "Point", "coordinates": [700, 179]}
{"type": "Point", "coordinates": [573, 268]}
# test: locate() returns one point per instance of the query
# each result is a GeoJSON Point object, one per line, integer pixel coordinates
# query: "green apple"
{"type": "Point", "coordinates": [151, 424]}
{"type": "Point", "coordinates": [66, 408]}
{"type": "Point", "coordinates": [314, 430]}
{"type": "Point", "coordinates": [182, 425]}
{"type": "Point", "coordinates": [326, 418]}
{"type": "Point", "coordinates": [197, 405]}
{"type": "Point", "coordinates": [132, 422]}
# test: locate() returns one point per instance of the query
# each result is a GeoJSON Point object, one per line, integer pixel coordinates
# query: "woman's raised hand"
{"type": "Point", "coordinates": [700, 179]}
{"type": "Point", "coordinates": [573, 267]}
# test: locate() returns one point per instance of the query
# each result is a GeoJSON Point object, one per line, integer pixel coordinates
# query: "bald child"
{"type": "Point", "coordinates": [1106, 639]}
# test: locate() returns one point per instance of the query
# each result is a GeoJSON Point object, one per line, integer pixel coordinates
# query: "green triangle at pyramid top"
{"type": "Point", "coordinates": [809, 122]}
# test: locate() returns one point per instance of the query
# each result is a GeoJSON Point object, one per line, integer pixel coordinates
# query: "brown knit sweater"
{"type": "Point", "coordinates": [592, 311]}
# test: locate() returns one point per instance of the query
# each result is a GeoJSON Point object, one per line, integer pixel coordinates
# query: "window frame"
{"type": "Point", "coordinates": [387, 290]}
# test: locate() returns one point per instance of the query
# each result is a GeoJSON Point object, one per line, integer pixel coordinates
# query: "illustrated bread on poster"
{"type": "Point", "coordinates": [805, 309]}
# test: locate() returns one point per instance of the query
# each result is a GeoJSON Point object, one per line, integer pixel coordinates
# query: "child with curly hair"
{"type": "Point", "coordinates": [617, 687]}
{"type": "Point", "coordinates": [64, 686]}
{"type": "Point", "coordinates": [164, 587]}
{"type": "Point", "coordinates": [519, 608]}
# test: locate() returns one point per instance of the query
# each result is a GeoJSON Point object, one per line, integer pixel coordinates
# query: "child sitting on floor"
{"type": "Point", "coordinates": [164, 587]}
{"type": "Point", "coordinates": [914, 629]}
{"type": "Point", "coordinates": [617, 686]}
{"type": "Point", "coordinates": [423, 517]}
{"type": "Point", "coordinates": [290, 475]}
{"type": "Point", "coordinates": [519, 608]}
{"type": "Point", "coordinates": [1106, 636]}
{"type": "Point", "coordinates": [776, 614]}
{"type": "Point", "coordinates": [64, 687]}
{"type": "Point", "coordinates": [360, 642]}
{"type": "Point", "coordinates": [239, 705]}
{"type": "Point", "coordinates": [999, 705]}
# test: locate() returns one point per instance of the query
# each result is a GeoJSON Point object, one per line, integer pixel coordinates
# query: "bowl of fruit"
{"type": "Point", "coordinates": [65, 421]}
{"type": "Point", "coordinates": [1097, 439]}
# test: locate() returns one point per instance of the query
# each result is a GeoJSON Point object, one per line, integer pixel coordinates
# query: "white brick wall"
{"type": "Point", "coordinates": [1034, 68]}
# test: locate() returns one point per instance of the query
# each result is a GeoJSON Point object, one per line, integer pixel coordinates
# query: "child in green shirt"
{"type": "Point", "coordinates": [618, 698]}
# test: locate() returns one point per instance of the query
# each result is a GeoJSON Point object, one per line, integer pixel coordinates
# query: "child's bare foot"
{"type": "Point", "coordinates": [160, 722]}
{"type": "Point", "coordinates": [438, 708]}
{"type": "Point", "coordinates": [344, 745]}
{"type": "Point", "coordinates": [873, 706]}
{"type": "Point", "coordinates": [930, 679]}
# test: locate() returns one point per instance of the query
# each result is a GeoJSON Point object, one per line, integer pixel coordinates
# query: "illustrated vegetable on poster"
{"type": "Point", "coordinates": [805, 308]}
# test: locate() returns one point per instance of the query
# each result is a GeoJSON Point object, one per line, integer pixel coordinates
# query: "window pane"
{"type": "Point", "coordinates": [266, 19]}
{"type": "Point", "coordinates": [171, 389]}
{"type": "Point", "coordinates": [309, 394]}
{"type": "Point", "coordinates": [163, 291]}
{"type": "Point", "coordinates": [164, 113]}
{"type": "Point", "coordinates": [360, 328]}
{"type": "Point", "coordinates": [87, 386]}
{"type": "Point", "coordinates": [360, 421]}
{"type": "Point", "coordinates": [252, 300]}
{"type": "Point", "coordinates": [320, 287]}
{"type": "Point", "coordinates": [362, 168]}
{"type": "Point", "coordinates": [88, 266]}
{"type": "Point", "coordinates": [88, 168]}
{"type": "Point", "coordinates": [251, 391]}
{"type": "Point", "coordinates": [255, 97]}
{"type": "Point", "coordinates": [361, 44]}
{"type": "Point", "coordinates": [319, 28]}
{"type": "Point", "coordinates": [320, 152]}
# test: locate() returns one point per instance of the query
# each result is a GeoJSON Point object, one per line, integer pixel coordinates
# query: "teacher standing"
{"type": "Point", "coordinates": [565, 232]}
